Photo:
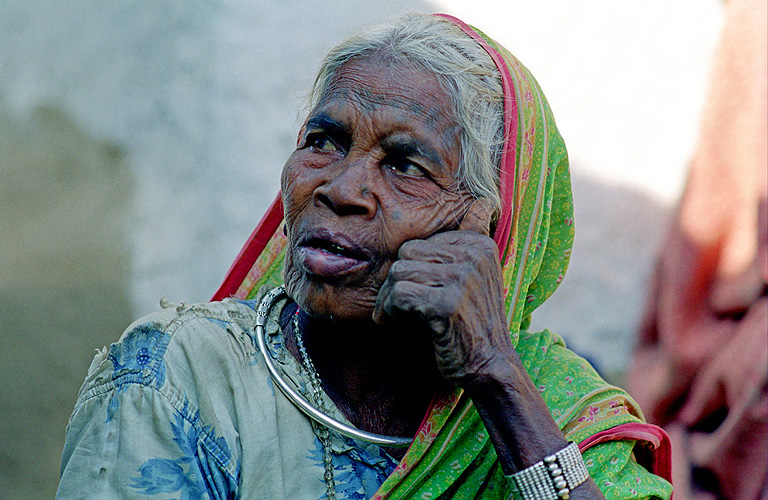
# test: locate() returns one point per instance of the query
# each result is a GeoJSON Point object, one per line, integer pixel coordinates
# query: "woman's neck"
{"type": "Point", "coordinates": [382, 379]}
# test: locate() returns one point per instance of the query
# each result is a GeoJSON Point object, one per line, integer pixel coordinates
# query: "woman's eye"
{"type": "Point", "coordinates": [406, 167]}
{"type": "Point", "coordinates": [321, 142]}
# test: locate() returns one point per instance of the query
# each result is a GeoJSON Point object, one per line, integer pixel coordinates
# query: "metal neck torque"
{"type": "Point", "coordinates": [298, 400]}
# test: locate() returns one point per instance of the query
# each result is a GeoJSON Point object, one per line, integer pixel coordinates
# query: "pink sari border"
{"type": "Point", "coordinates": [251, 250]}
{"type": "Point", "coordinates": [654, 438]}
{"type": "Point", "coordinates": [503, 227]}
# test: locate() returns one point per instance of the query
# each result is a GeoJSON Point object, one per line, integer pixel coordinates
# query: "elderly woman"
{"type": "Point", "coordinates": [398, 342]}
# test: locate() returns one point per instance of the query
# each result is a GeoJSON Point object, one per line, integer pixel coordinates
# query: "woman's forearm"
{"type": "Point", "coordinates": [517, 419]}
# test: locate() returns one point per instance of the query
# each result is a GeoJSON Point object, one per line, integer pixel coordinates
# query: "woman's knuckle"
{"type": "Point", "coordinates": [409, 248]}
{"type": "Point", "coordinates": [395, 269]}
{"type": "Point", "coordinates": [403, 293]}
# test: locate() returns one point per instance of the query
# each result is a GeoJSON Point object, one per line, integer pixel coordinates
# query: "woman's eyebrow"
{"type": "Point", "coordinates": [324, 122]}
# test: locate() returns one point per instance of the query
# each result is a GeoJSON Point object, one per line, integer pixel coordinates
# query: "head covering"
{"type": "Point", "coordinates": [452, 453]}
{"type": "Point", "coordinates": [534, 232]}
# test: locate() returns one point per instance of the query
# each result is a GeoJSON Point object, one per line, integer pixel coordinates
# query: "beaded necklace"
{"type": "Point", "coordinates": [321, 431]}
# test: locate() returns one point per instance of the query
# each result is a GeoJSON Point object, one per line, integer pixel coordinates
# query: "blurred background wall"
{"type": "Point", "coordinates": [140, 143]}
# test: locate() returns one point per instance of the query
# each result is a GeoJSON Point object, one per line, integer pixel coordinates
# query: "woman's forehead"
{"type": "Point", "coordinates": [373, 81]}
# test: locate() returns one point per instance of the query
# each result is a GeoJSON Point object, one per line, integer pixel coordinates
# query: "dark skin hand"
{"type": "Point", "coordinates": [451, 283]}
{"type": "Point", "coordinates": [394, 271]}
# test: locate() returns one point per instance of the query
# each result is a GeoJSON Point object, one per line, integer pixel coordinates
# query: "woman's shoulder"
{"type": "Point", "coordinates": [172, 389]}
{"type": "Point", "coordinates": [176, 343]}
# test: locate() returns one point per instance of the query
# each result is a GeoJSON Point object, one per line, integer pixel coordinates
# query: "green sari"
{"type": "Point", "coordinates": [451, 455]}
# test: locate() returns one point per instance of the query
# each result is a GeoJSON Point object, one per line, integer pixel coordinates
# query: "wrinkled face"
{"type": "Point", "coordinates": [374, 167]}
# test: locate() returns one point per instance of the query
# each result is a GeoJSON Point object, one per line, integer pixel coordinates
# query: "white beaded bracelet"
{"type": "Point", "coordinates": [552, 478]}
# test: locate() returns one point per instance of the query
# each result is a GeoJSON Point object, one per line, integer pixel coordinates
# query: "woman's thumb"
{"type": "Point", "coordinates": [478, 217]}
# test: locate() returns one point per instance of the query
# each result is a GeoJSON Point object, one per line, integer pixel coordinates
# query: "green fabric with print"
{"type": "Point", "coordinates": [452, 456]}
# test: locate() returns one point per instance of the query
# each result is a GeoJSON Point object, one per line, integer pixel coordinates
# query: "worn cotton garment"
{"type": "Point", "coordinates": [183, 407]}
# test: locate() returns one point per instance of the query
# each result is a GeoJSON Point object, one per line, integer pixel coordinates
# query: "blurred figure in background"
{"type": "Point", "coordinates": [701, 363]}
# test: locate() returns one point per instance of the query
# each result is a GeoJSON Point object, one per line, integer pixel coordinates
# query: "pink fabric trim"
{"type": "Point", "coordinates": [650, 437]}
{"type": "Point", "coordinates": [504, 226]}
{"type": "Point", "coordinates": [251, 250]}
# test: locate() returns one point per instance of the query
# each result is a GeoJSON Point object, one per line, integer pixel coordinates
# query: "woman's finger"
{"type": "Point", "coordinates": [450, 247]}
{"type": "Point", "coordinates": [403, 298]}
{"type": "Point", "coordinates": [424, 273]}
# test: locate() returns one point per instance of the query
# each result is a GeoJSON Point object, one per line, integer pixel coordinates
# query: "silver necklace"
{"type": "Point", "coordinates": [321, 422]}
{"type": "Point", "coordinates": [298, 400]}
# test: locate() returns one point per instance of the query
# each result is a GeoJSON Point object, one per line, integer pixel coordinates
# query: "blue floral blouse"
{"type": "Point", "coordinates": [182, 407]}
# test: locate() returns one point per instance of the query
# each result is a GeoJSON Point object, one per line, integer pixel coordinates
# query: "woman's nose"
{"type": "Point", "coordinates": [348, 191]}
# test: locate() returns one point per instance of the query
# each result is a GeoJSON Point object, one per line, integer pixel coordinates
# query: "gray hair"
{"type": "Point", "coordinates": [467, 74]}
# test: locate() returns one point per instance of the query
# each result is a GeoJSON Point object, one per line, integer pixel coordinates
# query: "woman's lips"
{"type": "Point", "coordinates": [324, 263]}
{"type": "Point", "coordinates": [326, 254]}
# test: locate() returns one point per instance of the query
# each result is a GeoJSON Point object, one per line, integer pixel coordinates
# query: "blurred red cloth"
{"type": "Point", "coordinates": [701, 365]}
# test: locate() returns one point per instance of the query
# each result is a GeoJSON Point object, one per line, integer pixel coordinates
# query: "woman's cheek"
{"type": "Point", "coordinates": [296, 191]}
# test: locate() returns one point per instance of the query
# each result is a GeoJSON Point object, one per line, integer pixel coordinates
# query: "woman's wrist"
{"type": "Point", "coordinates": [499, 367]}
{"type": "Point", "coordinates": [518, 421]}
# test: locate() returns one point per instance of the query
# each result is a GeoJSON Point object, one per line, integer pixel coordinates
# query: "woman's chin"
{"type": "Point", "coordinates": [331, 301]}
